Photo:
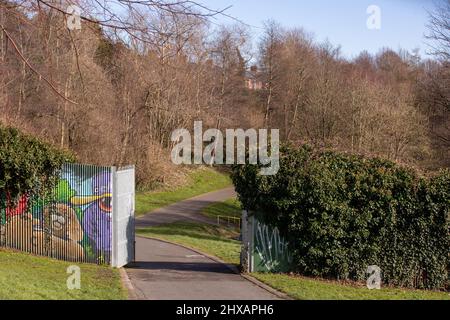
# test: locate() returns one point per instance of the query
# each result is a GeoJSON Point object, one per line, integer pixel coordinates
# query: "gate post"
{"type": "Point", "coordinates": [114, 217]}
{"type": "Point", "coordinates": [247, 242]}
{"type": "Point", "coordinates": [123, 237]}
{"type": "Point", "coordinates": [251, 246]}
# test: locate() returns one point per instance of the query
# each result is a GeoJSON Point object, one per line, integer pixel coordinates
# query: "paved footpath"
{"type": "Point", "coordinates": [165, 271]}
{"type": "Point", "coordinates": [186, 210]}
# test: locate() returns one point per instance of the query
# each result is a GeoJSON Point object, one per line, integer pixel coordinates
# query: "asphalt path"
{"type": "Point", "coordinates": [165, 271]}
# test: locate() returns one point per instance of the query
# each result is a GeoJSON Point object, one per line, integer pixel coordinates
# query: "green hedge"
{"type": "Point", "coordinates": [27, 165]}
{"type": "Point", "coordinates": [341, 213]}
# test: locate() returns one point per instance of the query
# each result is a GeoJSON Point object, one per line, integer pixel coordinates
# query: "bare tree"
{"type": "Point", "coordinates": [121, 19]}
{"type": "Point", "coordinates": [269, 61]}
{"type": "Point", "coordinates": [439, 30]}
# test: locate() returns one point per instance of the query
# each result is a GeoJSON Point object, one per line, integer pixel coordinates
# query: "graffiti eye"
{"type": "Point", "coordinates": [105, 204]}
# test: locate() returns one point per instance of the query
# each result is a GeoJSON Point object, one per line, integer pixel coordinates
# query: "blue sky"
{"type": "Point", "coordinates": [342, 22]}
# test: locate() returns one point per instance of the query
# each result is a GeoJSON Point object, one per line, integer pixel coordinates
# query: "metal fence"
{"type": "Point", "coordinates": [74, 222]}
{"type": "Point", "coordinates": [230, 222]}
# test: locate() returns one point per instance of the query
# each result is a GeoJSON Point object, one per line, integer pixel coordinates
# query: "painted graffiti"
{"type": "Point", "coordinates": [72, 223]}
{"type": "Point", "coordinates": [19, 208]}
{"type": "Point", "coordinates": [271, 250]}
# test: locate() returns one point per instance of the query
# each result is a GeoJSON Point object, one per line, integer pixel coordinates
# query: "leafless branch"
{"type": "Point", "coordinates": [19, 53]}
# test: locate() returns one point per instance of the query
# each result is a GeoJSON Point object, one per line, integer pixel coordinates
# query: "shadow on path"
{"type": "Point", "coordinates": [165, 271]}
{"type": "Point", "coordinates": [194, 266]}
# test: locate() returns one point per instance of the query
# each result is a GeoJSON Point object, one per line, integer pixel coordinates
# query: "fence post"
{"type": "Point", "coordinates": [114, 230]}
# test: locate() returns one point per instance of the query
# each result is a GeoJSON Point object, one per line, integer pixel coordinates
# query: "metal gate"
{"type": "Point", "coordinates": [87, 217]}
{"type": "Point", "coordinates": [123, 249]}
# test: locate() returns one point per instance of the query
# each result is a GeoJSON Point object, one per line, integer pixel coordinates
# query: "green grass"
{"type": "Point", "coordinates": [200, 181]}
{"type": "Point", "coordinates": [227, 208]}
{"type": "Point", "coordinates": [303, 288]}
{"type": "Point", "coordinates": [24, 276]}
{"type": "Point", "coordinates": [209, 239]}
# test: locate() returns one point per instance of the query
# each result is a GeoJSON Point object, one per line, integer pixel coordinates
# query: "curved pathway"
{"type": "Point", "coordinates": [165, 271]}
{"type": "Point", "coordinates": [187, 210]}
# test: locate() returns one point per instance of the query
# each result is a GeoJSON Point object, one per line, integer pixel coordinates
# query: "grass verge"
{"type": "Point", "coordinates": [209, 239]}
{"type": "Point", "coordinates": [303, 288]}
{"type": "Point", "coordinates": [24, 276]}
{"type": "Point", "coordinates": [201, 181]}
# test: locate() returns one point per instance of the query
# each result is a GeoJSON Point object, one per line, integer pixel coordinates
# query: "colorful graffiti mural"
{"type": "Point", "coordinates": [72, 223]}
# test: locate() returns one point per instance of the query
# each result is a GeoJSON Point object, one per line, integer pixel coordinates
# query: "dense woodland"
{"type": "Point", "coordinates": [113, 91]}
